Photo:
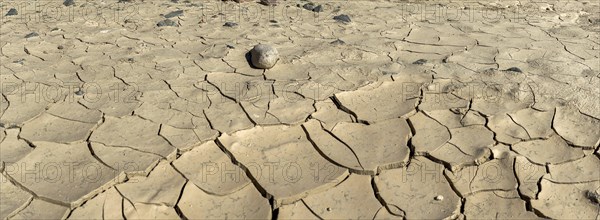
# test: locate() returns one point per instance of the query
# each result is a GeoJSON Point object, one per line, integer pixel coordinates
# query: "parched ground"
{"type": "Point", "coordinates": [424, 110]}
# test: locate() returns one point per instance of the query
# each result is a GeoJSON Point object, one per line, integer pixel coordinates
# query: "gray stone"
{"type": "Point", "coordinates": [269, 2]}
{"type": "Point", "coordinates": [342, 18]}
{"type": "Point", "coordinates": [167, 22]}
{"type": "Point", "coordinates": [514, 69]}
{"type": "Point", "coordinates": [230, 24]}
{"type": "Point", "coordinates": [68, 2]}
{"type": "Point", "coordinates": [338, 42]}
{"type": "Point", "coordinates": [12, 12]}
{"type": "Point", "coordinates": [319, 8]}
{"type": "Point", "coordinates": [420, 61]}
{"type": "Point", "coordinates": [309, 6]}
{"type": "Point", "coordinates": [264, 56]}
{"type": "Point", "coordinates": [174, 14]}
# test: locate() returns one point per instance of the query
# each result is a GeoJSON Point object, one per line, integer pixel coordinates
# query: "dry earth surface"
{"type": "Point", "coordinates": [376, 109]}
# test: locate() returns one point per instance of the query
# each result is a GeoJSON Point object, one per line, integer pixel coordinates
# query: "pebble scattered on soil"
{"type": "Point", "coordinates": [230, 24]}
{"type": "Point", "coordinates": [32, 34]}
{"type": "Point", "coordinates": [268, 2]}
{"type": "Point", "coordinates": [12, 12]}
{"type": "Point", "coordinates": [167, 22]}
{"type": "Point", "coordinates": [514, 69]}
{"type": "Point", "coordinates": [342, 18]}
{"type": "Point", "coordinates": [337, 42]}
{"type": "Point", "coordinates": [420, 61]}
{"type": "Point", "coordinates": [69, 2]}
{"type": "Point", "coordinates": [174, 14]}
{"type": "Point", "coordinates": [264, 56]}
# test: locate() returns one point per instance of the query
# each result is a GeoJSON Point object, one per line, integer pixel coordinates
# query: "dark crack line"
{"type": "Point", "coordinates": [250, 176]}
{"type": "Point", "coordinates": [89, 145]}
{"type": "Point", "coordinates": [329, 159]}
{"type": "Point", "coordinates": [33, 194]}
{"type": "Point", "coordinates": [522, 127]}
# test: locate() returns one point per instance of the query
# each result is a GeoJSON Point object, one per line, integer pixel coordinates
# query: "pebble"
{"type": "Point", "coordinates": [12, 12]}
{"type": "Point", "coordinates": [174, 14]}
{"type": "Point", "coordinates": [593, 196]}
{"type": "Point", "coordinates": [32, 34]}
{"type": "Point", "coordinates": [342, 18]}
{"type": "Point", "coordinates": [69, 2]}
{"type": "Point", "coordinates": [420, 61]}
{"type": "Point", "coordinates": [514, 69]}
{"type": "Point", "coordinates": [264, 56]}
{"type": "Point", "coordinates": [19, 61]}
{"type": "Point", "coordinates": [268, 2]}
{"type": "Point", "coordinates": [60, 47]}
{"type": "Point", "coordinates": [309, 6]}
{"type": "Point", "coordinates": [439, 198]}
{"type": "Point", "coordinates": [318, 9]}
{"type": "Point", "coordinates": [79, 92]}
{"type": "Point", "coordinates": [338, 42]}
{"type": "Point", "coordinates": [167, 22]}
{"type": "Point", "coordinates": [230, 24]}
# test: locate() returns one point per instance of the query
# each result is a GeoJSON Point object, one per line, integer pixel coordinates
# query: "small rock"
{"type": "Point", "coordinates": [60, 47]}
{"type": "Point", "coordinates": [79, 92]}
{"type": "Point", "coordinates": [174, 14]}
{"type": "Point", "coordinates": [439, 198]}
{"type": "Point", "coordinates": [264, 56]}
{"type": "Point", "coordinates": [69, 2]}
{"type": "Point", "coordinates": [175, 1]}
{"type": "Point", "coordinates": [32, 34]}
{"type": "Point", "coordinates": [167, 22]}
{"type": "Point", "coordinates": [230, 46]}
{"type": "Point", "coordinates": [342, 18]}
{"type": "Point", "coordinates": [514, 69]}
{"type": "Point", "coordinates": [230, 24]}
{"type": "Point", "coordinates": [268, 2]}
{"type": "Point", "coordinates": [593, 196]}
{"type": "Point", "coordinates": [318, 9]}
{"type": "Point", "coordinates": [19, 61]}
{"type": "Point", "coordinates": [420, 61]}
{"type": "Point", "coordinates": [12, 12]}
{"type": "Point", "coordinates": [337, 42]}
{"type": "Point", "coordinates": [309, 6]}
{"type": "Point", "coordinates": [273, 21]}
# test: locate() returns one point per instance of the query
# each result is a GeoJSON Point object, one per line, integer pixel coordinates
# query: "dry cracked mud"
{"type": "Point", "coordinates": [127, 109]}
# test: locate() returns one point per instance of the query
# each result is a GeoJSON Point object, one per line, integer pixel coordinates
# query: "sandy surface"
{"type": "Point", "coordinates": [427, 110]}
